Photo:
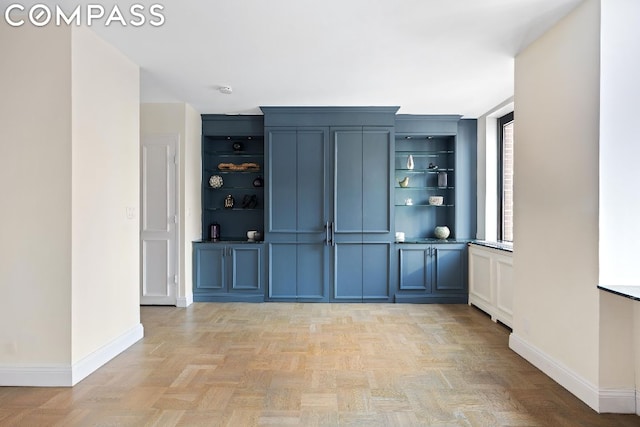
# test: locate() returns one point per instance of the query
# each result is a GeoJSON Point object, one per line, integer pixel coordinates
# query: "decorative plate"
{"type": "Point", "coordinates": [215, 181]}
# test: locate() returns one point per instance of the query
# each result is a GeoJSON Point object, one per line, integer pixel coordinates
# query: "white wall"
{"type": "Point", "coordinates": [35, 190]}
{"type": "Point", "coordinates": [192, 173]}
{"type": "Point", "coordinates": [105, 153]}
{"type": "Point", "coordinates": [556, 302]}
{"type": "Point", "coordinates": [183, 120]}
{"type": "Point", "coordinates": [617, 352]}
{"type": "Point", "coordinates": [68, 167]}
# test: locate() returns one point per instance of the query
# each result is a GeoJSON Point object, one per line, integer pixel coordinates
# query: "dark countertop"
{"type": "Point", "coordinates": [430, 241]}
{"type": "Point", "coordinates": [503, 246]}
{"type": "Point", "coordinates": [229, 240]}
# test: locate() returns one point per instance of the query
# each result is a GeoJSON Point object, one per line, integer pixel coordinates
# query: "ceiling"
{"type": "Point", "coordinates": [426, 56]}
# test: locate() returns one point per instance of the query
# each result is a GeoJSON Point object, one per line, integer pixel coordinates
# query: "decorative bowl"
{"type": "Point", "coordinates": [436, 200]}
{"type": "Point", "coordinates": [254, 235]}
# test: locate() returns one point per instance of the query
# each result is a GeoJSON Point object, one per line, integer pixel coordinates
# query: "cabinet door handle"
{"type": "Point", "coordinates": [326, 233]}
{"type": "Point", "coordinates": [333, 233]}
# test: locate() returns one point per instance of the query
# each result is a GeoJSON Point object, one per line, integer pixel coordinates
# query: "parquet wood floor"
{"type": "Point", "coordinates": [280, 364]}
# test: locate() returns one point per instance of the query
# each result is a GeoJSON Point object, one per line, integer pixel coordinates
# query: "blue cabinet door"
{"type": "Point", "coordinates": [313, 182]}
{"type": "Point", "coordinates": [282, 181]}
{"type": "Point", "coordinates": [312, 272]}
{"type": "Point", "coordinates": [282, 262]}
{"type": "Point", "coordinates": [361, 271]}
{"type": "Point", "coordinates": [348, 271]}
{"type": "Point", "coordinates": [297, 181]}
{"type": "Point", "coordinates": [376, 271]}
{"type": "Point", "coordinates": [450, 268]}
{"type": "Point", "coordinates": [415, 268]}
{"type": "Point", "coordinates": [363, 181]}
{"type": "Point", "coordinates": [246, 268]}
{"type": "Point", "coordinates": [298, 271]}
{"type": "Point", "coordinates": [297, 213]}
{"type": "Point", "coordinates": [209, 269]}
{"type": "Point", "coordinates": [378, 149]}
{"type": "Point", "coordinates": [348, 181]}
{"type": "Point", "coordinates": [362, 213]}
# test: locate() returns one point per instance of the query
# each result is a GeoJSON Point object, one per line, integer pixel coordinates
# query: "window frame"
{"type": "Point", "coordinates": [502, 121]}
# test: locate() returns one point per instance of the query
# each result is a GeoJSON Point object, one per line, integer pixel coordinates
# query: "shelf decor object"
{"type": "Point", "coordinates": [436, 200]}
{"type": "Point", "coordinates": [404, 183]}
{"type": "Point", "coordinates": [247, 166]}
{"type": "Point", "coordinates": [442, 179]}
{"type": "Point", "coordinates": [410, 162]}
{"type": "Point", "coordinates": [215, 232]}
{"type": "Point", "coordinates": [216, 181]}
{"type": "Point", "coordinates": [229, 201]}
{"type": "Point", "coordinates": [442, 232]}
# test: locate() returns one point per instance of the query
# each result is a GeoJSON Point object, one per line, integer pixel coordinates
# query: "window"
{"type": "Point", "coordinates": [505, 177]}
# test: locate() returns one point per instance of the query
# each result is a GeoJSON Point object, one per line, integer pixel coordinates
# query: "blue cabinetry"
{"type": "Point", "coordinates": [432, 272]}
{"type": "Point", "coordinates": [297, 213]}
{"type": "Point", "coordinates": [228, 272]}
{"type": "Point", "coordinates": [435, 185]}
{"type": "Point", "coordinates": [362, 220]}
{"type": "Point", "coordinates": [230, 268]}
{"type": "Point", "coordinates": [329, 216]}
{"type": "Point", "coordinates": [330, 203]}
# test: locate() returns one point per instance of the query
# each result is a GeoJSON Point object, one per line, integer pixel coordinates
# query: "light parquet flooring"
{"type": "Point", "coordinates": [281, 364]}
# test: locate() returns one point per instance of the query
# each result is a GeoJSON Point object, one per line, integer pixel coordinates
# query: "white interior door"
{"type": "Point", "coordinates": [159, 220]}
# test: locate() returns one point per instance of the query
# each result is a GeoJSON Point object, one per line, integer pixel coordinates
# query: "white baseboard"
{"type": "Point", "coordinates": [601, 400]}
{"type": "Point", "coordinates": [184, 301]}
{"type": "Point", "coordinates": [60, 375]}
{"type": "Point", "coordinates": [617, 401]}
{"type": "Point", "coordinates": [90, 363]}
{"type": "Point", "coordinates": [35, 375]}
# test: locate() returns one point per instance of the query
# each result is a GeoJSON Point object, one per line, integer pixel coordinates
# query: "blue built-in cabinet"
{"type": "Point", "coordinates": [443, 163]}
{"type": "Point", "coordinates": [329, 219]}
{"type": "Point", "coordinates": [331, 204]}
{"type": "Point", "coordinates": [432, 272]}
{"type": "Point", "coordinates": [225, 271]}
{"type": "Point", "coordinates": [230, 268]}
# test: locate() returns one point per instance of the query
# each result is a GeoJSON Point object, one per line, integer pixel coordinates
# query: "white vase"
{"type": "Point", "coordinates": [410, 164]}
{"type": "Point", "coordinates": [442, 232]}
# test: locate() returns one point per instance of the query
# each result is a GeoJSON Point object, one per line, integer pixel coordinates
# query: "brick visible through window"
{"type": "Point", "coordinates": [506, 177]}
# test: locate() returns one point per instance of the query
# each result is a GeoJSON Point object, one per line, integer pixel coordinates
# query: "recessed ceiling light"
{"type": "Point", "coordinates": [227, 90]}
